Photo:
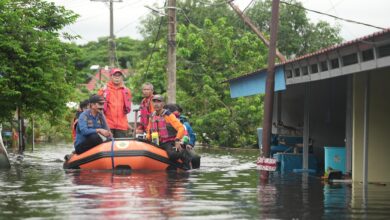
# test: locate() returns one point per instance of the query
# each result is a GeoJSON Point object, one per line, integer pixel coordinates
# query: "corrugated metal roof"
{"type": "Point", "coordinates": [321, 51]}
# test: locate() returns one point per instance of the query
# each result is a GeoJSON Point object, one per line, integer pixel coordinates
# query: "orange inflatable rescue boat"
{"type": "Point", "coordinates": [133, 154]}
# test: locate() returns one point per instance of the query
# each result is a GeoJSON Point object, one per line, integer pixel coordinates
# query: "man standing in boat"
{"type": "Point", "coordinates": [118, 103]}
{"type": "Point", "coordinates": [92, 128]}
{"type": "Point", "coordinates": [146, 107]}
{"type": "Point", "coordinates": [165, 129]}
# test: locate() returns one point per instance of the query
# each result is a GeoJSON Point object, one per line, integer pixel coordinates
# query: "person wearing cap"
{"type": "Point", "coordinates": [167, 130]}
{"type": "Point", "coordinates": [92, 127]}
{"type": "Point", "coordinates": [146, 107]}
{"type": "Point", "coordinates": [82, 107]}
{"type": "Point", "coordinates": [118, 103]}
{"type": "Point", "coordinates": [189, 132]}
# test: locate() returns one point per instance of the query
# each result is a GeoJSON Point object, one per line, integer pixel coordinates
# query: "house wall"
{"type": "Point", "coordinates": [291, 107]}
{"type": "Point", "coordinates": [378, 126]}
{"type": "Point", "coordinates": [327, 112]}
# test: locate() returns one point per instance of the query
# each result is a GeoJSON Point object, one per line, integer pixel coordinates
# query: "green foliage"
{"type": "Point", "coordinates": [38, 71]}
{"type": "Point", "coordinates": [213, 45]}
{"type": "Point", "coordinates": [54, 129]}
{"type": "Point", "coordinates": [297, 35]}
{"type": "Point", "coordinates": [96, 53]}
{"type": "Point", "coordinates": [37, 68]}
{"type": "Point", "coordinates": [206, 56]}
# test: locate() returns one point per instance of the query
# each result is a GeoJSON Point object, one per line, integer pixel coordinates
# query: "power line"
{"type": "Point", "coordinates": [334, 6]}
{"type": "Point", "coordinates": [301, 7]}
{"type": "Point", "coordinates": [125, 26]}
{"type": "Point", "coordinates": [333, 16]}
{"type": "Point", "coordinates": [216, 4]}
{"type": "Point", "coordinates": [250, 3]}
{"type": "Point", "coordinates": [155, 43]}
{"type": "Point", "coordinates": [337, 14]}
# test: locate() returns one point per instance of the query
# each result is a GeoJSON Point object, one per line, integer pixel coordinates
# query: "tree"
{"type": "Point", "coordinates": [297, 35]}
{"type": "Point", "coordinates": [206, 56]}
{"type": "Point", "coordinates": [37, 68]}
{"type": "Point", "coordinates": [214, 45]}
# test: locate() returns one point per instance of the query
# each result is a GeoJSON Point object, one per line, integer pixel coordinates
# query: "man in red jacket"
{"type": "Point", "coordinates": [118, 103]}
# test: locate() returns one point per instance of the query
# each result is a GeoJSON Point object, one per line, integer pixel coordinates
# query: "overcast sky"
{"type": "Point", "coordinates": [94, 16]}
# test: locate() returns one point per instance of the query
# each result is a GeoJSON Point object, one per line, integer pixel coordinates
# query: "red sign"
{"type": "Point", "coordinates": [268, 164]}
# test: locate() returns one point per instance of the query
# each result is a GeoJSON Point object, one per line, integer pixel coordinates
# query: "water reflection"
{"type": "Point", "coordinates": [227, 186]}
{"type": "Point", "coordinates": [337, 199]}
{"type": "Point", "coordinates": [129, 195]}
{"type": "Point", "coordinates": [290, 196]}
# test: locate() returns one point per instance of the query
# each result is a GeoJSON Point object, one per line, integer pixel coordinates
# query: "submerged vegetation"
{"type": "Point", "coordinates": [39, 73]}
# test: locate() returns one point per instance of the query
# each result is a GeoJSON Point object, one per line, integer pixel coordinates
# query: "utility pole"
{"type": "Point", "coordinates": [171, 51]}
{"type": "Point", "coordinates": [111, 39]}
{"type": "Point", "coordinates": [269, 86]}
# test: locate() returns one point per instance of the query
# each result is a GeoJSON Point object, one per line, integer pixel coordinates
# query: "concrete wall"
{"type": "Point", "coordinates": [378, 126]}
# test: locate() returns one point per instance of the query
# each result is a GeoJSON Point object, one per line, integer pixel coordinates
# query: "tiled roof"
{"type": "Point", "coordinates": [321, 51]}
{"type": "Point", "coordinates": [338, 46]}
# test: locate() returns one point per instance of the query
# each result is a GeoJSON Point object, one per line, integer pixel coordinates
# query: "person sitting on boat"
{"type": "Point", "coordinates": [183, 119]}
{"type": "Point", "coordinates": [92, 127]}
{"type": "Point", "coordinates": [165, 129]}
{"type": "Point", "coordinates": [82, 107]}
{"type": "Point", "coordinates": [146, 107]}
{"type": "Point", "coordinates": [189, 132]}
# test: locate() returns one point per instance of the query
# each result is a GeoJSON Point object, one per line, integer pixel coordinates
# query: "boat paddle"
{"type": "Point", "coordinates": [4, 162]}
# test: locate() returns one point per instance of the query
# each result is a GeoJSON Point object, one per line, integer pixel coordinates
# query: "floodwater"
{"type": "Point", "coordinates": [226, 186]}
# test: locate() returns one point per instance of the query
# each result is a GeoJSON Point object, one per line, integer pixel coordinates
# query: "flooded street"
{"type": "Point", "coordinates": [226, 187]}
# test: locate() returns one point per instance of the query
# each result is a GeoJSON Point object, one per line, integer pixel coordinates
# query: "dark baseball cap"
{"type": "Point", "coordinates": [158, 97]}
{"type": "Point", "coordinates": [171, 107]}
{"type": "Point", "coordinates": [96, 99]}
{"type": "Point", "coordinates": [84, 104]}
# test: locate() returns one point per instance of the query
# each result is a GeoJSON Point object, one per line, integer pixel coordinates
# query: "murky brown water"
{"type": "Point", "coordinates": [226, 187]}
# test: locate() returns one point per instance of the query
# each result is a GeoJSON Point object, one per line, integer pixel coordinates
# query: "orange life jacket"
{"type": "Point", "coordinates": [166, 131]}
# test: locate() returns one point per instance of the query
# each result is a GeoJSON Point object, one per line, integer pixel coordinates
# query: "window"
{"type": "Point", "coordinates": [350, 59]}
{"type": "Point", "coordinates": [289, 73]}
{"type": "Point", "coordinates": [324, 66]}
{"type": "Point", "coordinates": [335, 63]}
{"type": "Point", "coordinates": [297, 72]}
{"type": "Point", "coordinates": [314, 68]}
{"type": "Point", "coordinates": [384, 51]}
{"type": "Point", "coordinates": [368, 55]}
{"type": "Point", "coordinates": [305, 70]}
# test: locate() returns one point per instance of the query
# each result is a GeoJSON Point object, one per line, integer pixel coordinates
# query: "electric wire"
{"type": "Point", "coordinates": [154, 46]}
{"type": "Point", "coordinates": [126, 25]}
{"type": "Point", "coordinates": [249, 5]}
{"type": "Point", "coordinates": [337, 14]}
{"type": "Point", "coordinates": [216, 4]}
{"type": "Point", "coordinates": [333, 16]}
